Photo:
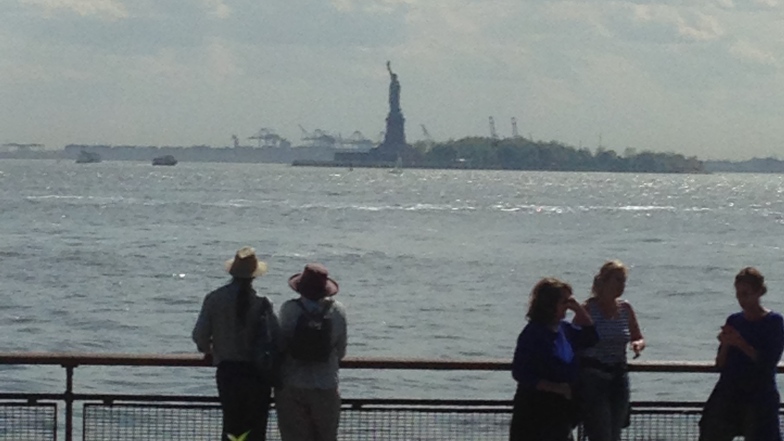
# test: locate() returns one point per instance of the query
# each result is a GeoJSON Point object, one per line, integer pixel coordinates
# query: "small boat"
{"type": "Point", "coordinates": [164, 160]}
{"type": "Point", "coordinates": [86, 157]}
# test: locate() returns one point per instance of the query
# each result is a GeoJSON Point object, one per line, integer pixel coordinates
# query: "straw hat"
{"type": "Point", "coordinates": [314, 282]}
{"type": "Point", "coordinates": [245, 264]}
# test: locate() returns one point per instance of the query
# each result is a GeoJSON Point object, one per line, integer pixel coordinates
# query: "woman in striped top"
{"type": "Point", "coordinates": [604, 382]}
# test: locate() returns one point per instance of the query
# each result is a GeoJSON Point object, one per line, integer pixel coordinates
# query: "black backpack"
{"type": "Point", "coordinates": [312, 339]}
{"type": "Point", "coordinates": [266, 355]}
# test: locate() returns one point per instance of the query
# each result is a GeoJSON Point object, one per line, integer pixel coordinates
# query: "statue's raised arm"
{"type": "Point", "coordinates": [389, 68]}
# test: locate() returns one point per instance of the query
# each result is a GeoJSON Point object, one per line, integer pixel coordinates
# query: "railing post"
{"type": "Point", "coordinates": [69, 369]}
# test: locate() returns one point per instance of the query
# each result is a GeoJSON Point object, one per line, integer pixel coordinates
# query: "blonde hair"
{"type": "Point", "coordinates": [608, 269]}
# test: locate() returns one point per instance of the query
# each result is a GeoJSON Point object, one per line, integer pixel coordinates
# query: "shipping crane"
{"type": "Point", "coordinates": [515, 133]}
{"type": "Point", "coordinates": [493, 133]}
{"type": "Point", "coordinates": [268, 138]}
{"type": "Point", "coordinates": [428, 139]}
{"type": "Point", "coordinates": [358, 141]}
{"type": "Point", "coordinates": [319, 138]}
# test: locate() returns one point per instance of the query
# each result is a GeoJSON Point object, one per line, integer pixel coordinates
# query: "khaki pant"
{"type": "Point", "coordinates": [307, 414]}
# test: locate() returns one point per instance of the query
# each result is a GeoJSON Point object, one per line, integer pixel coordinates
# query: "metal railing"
{"type": "Point", "coordinates": [34, 416]}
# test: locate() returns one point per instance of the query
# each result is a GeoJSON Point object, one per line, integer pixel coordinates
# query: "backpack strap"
{"type": "Point", "coordinates": [320, 314]}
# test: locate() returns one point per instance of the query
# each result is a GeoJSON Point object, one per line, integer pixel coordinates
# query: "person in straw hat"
{"type": "Point", "coordinates": [313, 330]}
{"type": "Point", "coordinates": [224, 331]}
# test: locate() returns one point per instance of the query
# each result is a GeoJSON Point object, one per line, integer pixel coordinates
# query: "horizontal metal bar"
{"type": "Point", "coordinates": [386, 363]}
{"type": "Point", "coordinates": [146, 398]}
{"type": "Point", "coordinates": [26, 404]}
{"type": "Point", "coordinates": [356, 402]}
{"type": "Point", "coordinates": [27, 397]}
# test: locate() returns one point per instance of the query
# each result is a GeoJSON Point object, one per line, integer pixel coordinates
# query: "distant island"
{"type": "Point", "coordinates": [525, 154]}
{"type": "Point", "coordinates": [467, 153]}
{"type": "Point", "coordinates": [754, 165]}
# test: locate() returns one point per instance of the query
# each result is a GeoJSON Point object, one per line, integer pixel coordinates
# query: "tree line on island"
{"type": "Point", "coordinates": [525, 154]}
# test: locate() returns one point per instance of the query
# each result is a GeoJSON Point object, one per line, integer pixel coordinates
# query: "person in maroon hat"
{"type": "Point", "coordinates": [313, 331]}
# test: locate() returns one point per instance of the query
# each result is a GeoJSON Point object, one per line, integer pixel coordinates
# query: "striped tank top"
{"type": "Point", "coordinates": [613, 336]}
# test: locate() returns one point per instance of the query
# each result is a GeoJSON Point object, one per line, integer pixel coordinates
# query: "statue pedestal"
{"type": "Point", "coordinates": [394, 139]}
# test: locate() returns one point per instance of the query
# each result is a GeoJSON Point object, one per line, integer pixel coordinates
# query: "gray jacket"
{"type": "Point", "coordinates": [322, 375]}
{"type": "Point", "coordinates": [219, 332]}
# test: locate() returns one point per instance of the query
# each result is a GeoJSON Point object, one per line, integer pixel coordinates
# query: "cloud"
{"type": "Point", "coordinates": [770, 4]}
{"type": "Point", "coordinates": [217, 8]}
{"type": "Point", "coordinates": [149, 26]}
{"type": "Point", "coordinates": [105, 9]}
{"type": "Point", "coordinates": [700, 28]}
{"type": "Point", "coordinates": [745, 51]}
{"type": "Point", "coordinates": [690, 25]}
{"type": "Point", "coordinates": [375, 6]}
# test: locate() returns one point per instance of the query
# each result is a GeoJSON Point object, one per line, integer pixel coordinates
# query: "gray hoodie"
{"type": "Point", "coordinates": [320, 375]}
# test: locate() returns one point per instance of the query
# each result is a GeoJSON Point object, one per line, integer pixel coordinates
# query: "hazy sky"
{"type": "Point", "coordinates": [701, 77]}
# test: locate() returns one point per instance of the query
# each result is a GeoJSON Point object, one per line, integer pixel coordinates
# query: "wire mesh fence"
{"type": "Point", "coordinates": [659, 425]}
{"type": "Point", "coordinates": [28, 421]}
{"type": "Point", "coordinates": [370, 420]}
{"type": "Point", "coordinates": [148, 422]}
{"type": "Point", "coordinates": [176, 422]}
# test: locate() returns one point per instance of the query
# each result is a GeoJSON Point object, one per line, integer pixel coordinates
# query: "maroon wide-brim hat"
{"type": "Point", "coordinates": [314, 282]}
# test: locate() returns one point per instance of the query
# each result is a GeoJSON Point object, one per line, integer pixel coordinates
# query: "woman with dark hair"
{"type": "Point", "coordinates": [226, 330]}
{"type": "Point", "coordinates": [604, 380]}
{"type": "Point", "coordinates": [745, 400]}
{"type": "Point", "coordinates": [545, 366]}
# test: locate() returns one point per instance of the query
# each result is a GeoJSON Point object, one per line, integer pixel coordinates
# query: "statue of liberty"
{"type": "Point", "coordinates": [394, 91]}
{"type": "Point", "coordinates": [395, 135]}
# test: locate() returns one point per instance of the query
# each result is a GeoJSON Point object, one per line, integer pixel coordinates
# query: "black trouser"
{"type": "Point", "coordinates": [541, 416]}
{"type": "Point", "coordinates": [245, 400]}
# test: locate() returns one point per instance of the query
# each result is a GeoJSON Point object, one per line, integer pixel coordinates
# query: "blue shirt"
{"type": "Point", "coordinates": [545, 354]}
{"type": "Point", "coordinates": [766, 336]}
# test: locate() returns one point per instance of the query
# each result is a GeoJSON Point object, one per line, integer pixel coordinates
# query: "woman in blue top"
{"type": "Point", "coordinates": [745, 401]}
{"type": "Point", "coordinates": [545, 366]}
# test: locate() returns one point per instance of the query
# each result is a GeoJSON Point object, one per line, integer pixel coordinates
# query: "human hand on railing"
{"type": "Point", "coordinates": [208, 357]}
{"type": "Point", "coordinates": [638, 346]}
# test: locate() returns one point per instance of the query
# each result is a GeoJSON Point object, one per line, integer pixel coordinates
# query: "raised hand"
{"type": "Point", "coordinates": [572, 304]}
{"type": "Point", "coordinates": [730, 336]}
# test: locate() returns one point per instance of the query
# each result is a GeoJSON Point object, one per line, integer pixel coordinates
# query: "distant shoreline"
{"type": "Point", "coordinates": [290, 156]}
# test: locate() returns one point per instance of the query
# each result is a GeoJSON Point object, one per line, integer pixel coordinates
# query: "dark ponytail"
{"type": "Point", "coordinates": [243, 297]}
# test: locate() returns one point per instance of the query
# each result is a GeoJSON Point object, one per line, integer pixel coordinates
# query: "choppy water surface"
{"type": "Point", "coordinates": [116, 257]}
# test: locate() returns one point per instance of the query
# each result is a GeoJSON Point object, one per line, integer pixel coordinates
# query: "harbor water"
{"type": "Point", "coordinates": [117, 256]}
